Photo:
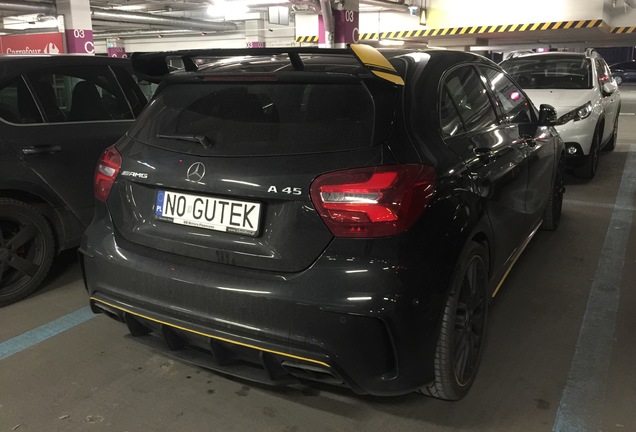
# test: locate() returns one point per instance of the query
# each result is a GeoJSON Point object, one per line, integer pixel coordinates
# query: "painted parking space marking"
{"type": "Point", "coordinates": [627, 114]}
{"type": "Point", "coordinates": [587, 379]}
{"type": "Point", "coordinates": [44, 332]}
{"type": "Point", "coordinates": [598, 205]}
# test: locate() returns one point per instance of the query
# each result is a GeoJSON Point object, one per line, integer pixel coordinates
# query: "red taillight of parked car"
{"type": "Point", "coordinates": [106, 173]}
{"type": "Point", "coordinates": [375, 201]}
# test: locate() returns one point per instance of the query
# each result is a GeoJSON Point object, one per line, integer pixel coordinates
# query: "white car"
{"type": "Point", "coordinates": [586, 97]}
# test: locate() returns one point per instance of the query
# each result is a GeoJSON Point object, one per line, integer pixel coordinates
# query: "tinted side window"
{"type": "Point", "coordinates": [131, 89]}
{"type": "Point", "coordinates": [450, 121]}
{"type": "Point", "coordinates": [601, 75]}
{"type": "Point", "coordinates": [514, 104]}
{"type": "Point", "coordinates": [468, 95]}
{"type": "Point", "coordinates": [86, 93]}
{"type": "Point", "coordinates": [17, 104]}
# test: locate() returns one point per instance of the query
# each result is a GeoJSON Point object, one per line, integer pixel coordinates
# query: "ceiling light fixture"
{"type": "Point", "coordinates": [391, 42]}
{"type": "Point", "coordinates": [223, 8]}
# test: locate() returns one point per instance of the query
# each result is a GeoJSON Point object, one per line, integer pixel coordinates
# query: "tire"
{"type": "Point", "coordinates": [463, 327]}
{"type": "Point", "coordinates": [619, 80]}
{"type": "Point", "coordinates": [611, 144]}
{"type": "Point", "coordinates": [590, 165]}
{"type": "Point", "coordinates": [26, 250]}
{"type": "Point", "coordinates": [552, 212]}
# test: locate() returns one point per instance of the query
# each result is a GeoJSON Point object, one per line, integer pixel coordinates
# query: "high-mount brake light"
{"type": "Point", "coordinates": [106, 173]}
{"type": "Point", "coordinates": [376, 201]}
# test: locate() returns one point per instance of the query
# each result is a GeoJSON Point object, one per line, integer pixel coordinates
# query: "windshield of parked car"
{"type": "Point", "coordinates": [553, 72]}
{"type": "Point", "coordinates": [258, 118]}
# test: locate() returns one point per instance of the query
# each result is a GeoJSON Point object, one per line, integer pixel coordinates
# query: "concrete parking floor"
{"type": "Point", "coordinates": [559, 356]}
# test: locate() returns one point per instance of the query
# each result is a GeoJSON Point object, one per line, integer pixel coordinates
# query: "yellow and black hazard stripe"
{"type": "Point", "coordinates": [307, 39]}
{"type": "Point", "coordinates": [507, 28]}
{"type": "Point", "coordinates": [474, 30]}
{"type": "Point", "coordinates": [624, 30]}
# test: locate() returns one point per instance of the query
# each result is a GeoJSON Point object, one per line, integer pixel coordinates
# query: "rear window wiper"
{"type": "Point", "coordinates": [201, 139]}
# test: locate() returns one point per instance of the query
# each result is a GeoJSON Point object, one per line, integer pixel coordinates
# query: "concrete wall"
{"type": "Point", "coordinates": [467, 13]}
{"type": "Point", "coordinates": [619, 14]}
{"type": "Point", "coordinates": [464, 13]}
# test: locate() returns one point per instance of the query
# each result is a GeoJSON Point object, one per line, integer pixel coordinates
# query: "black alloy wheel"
{"type": "Point", "coordinates": [463, 327]}
{"type": "Point", "coordinates": [588, 169]}
{"type": "Point", "coordinates": [552, 212]}
{"type": "Point", "coordinates": [611, 145]}
{"type": "Point", "coordinates": [26, 250]}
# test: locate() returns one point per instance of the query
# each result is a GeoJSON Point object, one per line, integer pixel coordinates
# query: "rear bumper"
{"type": "Point", "coordinates": [365, 323]}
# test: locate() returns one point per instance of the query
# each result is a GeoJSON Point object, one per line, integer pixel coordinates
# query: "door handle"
{"type": "Point", "coordinates": [39, 149]}
{"type": "Point", "coordinates": [485, 154]}
{"type": "Point", "coordinates": [530, 141]}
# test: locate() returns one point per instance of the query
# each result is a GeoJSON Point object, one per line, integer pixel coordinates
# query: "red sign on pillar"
{"type": "Point", "coordinates": [346, 28]}
{"type": "Point", "coordinates": [80, 41]}
{"type": "Point", "coordinates": [44, 43]}
{"type": "Point", "coordinates": [117, 52]}
{"type": "Point", "coordinates": [346, 23]}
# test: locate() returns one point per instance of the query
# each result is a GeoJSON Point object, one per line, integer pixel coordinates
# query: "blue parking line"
{"type": "Point", "coordinates": [587, 380]}
{"type": "Point", "coordinates": [42, 333]}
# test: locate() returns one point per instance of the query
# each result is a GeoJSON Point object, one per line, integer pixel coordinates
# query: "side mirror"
{"type": "Point", "coordinates": [547, 115]}
{"type": "Point", "coordinates": [609, 88]}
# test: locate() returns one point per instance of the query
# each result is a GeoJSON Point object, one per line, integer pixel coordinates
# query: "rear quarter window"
{"type": "Point", "coordinates": [465, 105]}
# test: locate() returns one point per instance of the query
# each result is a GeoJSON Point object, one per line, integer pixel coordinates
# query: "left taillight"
{"type": "Point", "coordinates": [376, 201]}
{"type": "Point", "coordinates": [106, 173]}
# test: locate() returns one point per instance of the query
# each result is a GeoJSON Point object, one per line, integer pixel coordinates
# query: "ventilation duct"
{"type": "Point", "coordinates": [31, 7]}
{"type": "Point", "coordinates": [141, 18]}
{"type": "Point", "coordinates": [28, 7]}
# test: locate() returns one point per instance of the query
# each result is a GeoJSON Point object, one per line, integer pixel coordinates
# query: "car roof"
{"type": "Point", "coordinates": [71, 58]}
{"type": "Point", "coordinates": [297, 61]}
{"type": "Point", "coordinates": [623, 63]}
{"type": "Point", "coordinates": [551, 54]}
{"type": "Point", "coordinates": [14, 65]}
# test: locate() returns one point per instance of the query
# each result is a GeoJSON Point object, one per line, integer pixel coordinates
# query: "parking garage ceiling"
{"type": "Point", "coordinates": [139, 18]}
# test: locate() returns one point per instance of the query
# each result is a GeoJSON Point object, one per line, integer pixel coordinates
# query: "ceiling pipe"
{"type": "Point", "coordinates": [29, 7]}
{"type": "Point", "coordinates": [144, 33]}
{"type": "Point", "coordinates": [118, 16]}
{"type": "Point", "coordinates": [399, 5]}
{"type": "Point", "coordinates": [115, 25]}
{"type": "Point", "coordinates": [141, 18]}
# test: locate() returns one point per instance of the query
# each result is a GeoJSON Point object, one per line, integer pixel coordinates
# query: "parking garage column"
{"type": "Point", "coordinates": [338, 26]}
{"type": "Point", "coordinates": [77, 22]}
{"type": "Point", "coordinates": [254, 34]}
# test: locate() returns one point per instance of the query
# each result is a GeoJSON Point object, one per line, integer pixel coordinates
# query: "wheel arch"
{"type": "Point", "coordinates": [44, 206]}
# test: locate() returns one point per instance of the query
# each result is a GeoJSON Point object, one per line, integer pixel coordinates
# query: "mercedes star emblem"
{"type": "Point", "coordinates": [196, 172]}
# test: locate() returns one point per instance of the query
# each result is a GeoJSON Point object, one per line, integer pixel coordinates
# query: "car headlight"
{"type": "Point", "coordinates": [576, 114]}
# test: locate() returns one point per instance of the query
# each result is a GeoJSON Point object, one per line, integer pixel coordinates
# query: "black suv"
{"type": "Point", "coordinates": [57, 115]}
{"type": "Point", "coordinates": [327, 215]}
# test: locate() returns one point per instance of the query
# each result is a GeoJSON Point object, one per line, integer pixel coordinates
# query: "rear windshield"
{"type": "Point", "coordinates": [258, 118]}
{"type": "Point", "coordinates": [550, 72]}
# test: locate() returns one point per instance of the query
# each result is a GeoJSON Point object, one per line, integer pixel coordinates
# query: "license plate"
{"type": "Point", "coordinates": [219, 214]}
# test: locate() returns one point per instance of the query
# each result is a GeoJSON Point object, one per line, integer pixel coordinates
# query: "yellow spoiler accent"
{"type": "Point", "coordinates": [222, 339]}
{"type": "Point", "coordinates": [373, 60]}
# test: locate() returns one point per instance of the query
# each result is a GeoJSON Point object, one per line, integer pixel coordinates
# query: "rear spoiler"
{"type": "Point", "coordinates": [154, 67]}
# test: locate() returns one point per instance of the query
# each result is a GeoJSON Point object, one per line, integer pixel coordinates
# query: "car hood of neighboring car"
{"type": "Point", "coordinates": [563, 100]}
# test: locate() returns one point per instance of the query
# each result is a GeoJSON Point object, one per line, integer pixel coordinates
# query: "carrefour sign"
{"type": "Point", "coordinates": [44, 43]}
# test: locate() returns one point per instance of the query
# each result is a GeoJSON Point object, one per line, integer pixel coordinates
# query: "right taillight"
{"type": "Point", "coordinates": [106, 173]}
{"type": "Point", "coordinates": [376, 201]}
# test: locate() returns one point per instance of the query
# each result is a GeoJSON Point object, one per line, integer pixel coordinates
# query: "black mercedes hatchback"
{"type": "Point", "coordinates": [57, 115]}
{"type": "Point", "coordinates": [340, 216]}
